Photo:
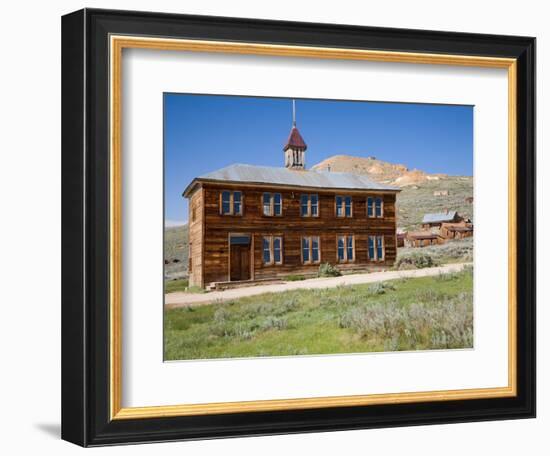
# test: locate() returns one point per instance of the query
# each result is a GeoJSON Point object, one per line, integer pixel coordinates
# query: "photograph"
{"type": "Point", "coordinates": [293, 224]}
{"type": "Point", "coordinates": [297, 227]}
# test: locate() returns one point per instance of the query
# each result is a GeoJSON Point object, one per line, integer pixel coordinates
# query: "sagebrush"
{"type": "Point", "coordinates": [456, 251]}
{"type": "Point", "coordinates": [328, 270]}
{"type": "Point", "coordinates": [405, 314]}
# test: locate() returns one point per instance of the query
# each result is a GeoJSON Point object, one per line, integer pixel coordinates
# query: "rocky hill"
{"type": "Point", "coordinates": [378, 170]}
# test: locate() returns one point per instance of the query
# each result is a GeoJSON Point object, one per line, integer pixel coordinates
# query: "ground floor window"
{"type": "Point", "coordinates": [311, 250]}
{"type": "Point", "coordinates": [376, 248]}
{"type": "Point", "coordinates": [346, 249]}
{"type": "Point", "coordinates": [272, 247]}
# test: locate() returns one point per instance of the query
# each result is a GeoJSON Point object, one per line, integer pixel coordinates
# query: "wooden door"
{"type": "Point", "coordinates": [240, 262]}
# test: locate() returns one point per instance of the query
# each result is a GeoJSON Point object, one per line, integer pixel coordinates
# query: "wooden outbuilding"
{"type": "Point", "coordinates": [422, 239]}
{"type": "Point", "coordinates": [431, 221]}
{"type": "Point", "coordinates": [248, 223]}
{"type": "Point", "coordinates": [400, 237]}
{"type": "Point", "coordinates": [459, 230]}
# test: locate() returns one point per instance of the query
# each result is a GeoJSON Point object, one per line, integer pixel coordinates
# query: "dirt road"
{"type": "Point", "coordinates": [180, 299]}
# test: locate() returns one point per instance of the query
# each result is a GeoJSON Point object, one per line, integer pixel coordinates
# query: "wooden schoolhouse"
{"type": "Point", "coordinates": [250, 223]}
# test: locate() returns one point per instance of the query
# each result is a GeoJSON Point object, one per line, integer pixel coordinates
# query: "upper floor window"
{"type": "Point", "coordinates": [309, 205]}
{"type": "Point", "coordinates": [231, 203]}
{"type": "Point", "coordinates": [272, 204]}
{"type": "Point", "coordinates": [311, 249]}
{"type": "Point", "coordinates": [343, 206]}
{"type": "Point", "coordinates": [272, 250]}
{"type": "Point", "coordinates": [346, 249]}
{"type": "Point", "coordinates": [376, 248]}
{"type": "Point", "coordinates": [375, 207]}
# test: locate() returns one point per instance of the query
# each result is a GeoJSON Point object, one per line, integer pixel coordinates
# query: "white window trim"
{"type": "Point", "coordinates": [232, 203]}
{"type": "Point", "coordinates": [374, 198]}
{"type": "Point", "coordinates": [271, 241]}
{"type": "Point", "coordinates": [346, 259]}
{"type": "Point", "coordinates": [376, 237]}
{"type": "Point", "coordinates": [343, 206]}
{"type": "Point", "coordinates": [272, 204]}
{"type": "Point", "coordinates": [310, 249]}
{"type": "Point", "coordinates": [309, 205]}
{"type": "Point", "coordinates": [381, 207]}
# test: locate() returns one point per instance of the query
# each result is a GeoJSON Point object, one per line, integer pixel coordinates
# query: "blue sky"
{"type": "Point", "coordinates": [203, 133]}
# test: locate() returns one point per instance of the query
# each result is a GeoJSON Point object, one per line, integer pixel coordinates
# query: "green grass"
{"type": "Point", "coordinates": [171, 286]}
{"type": "Point", "coordinates": [181, 285]}
{"type": "Point", "coordinates": [406, 314]}
{"type": "Point", "coordinates": [294, 278]}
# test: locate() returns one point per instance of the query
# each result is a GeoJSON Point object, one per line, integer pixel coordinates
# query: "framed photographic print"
{"type": "Point", "coordinates": [277, 227]}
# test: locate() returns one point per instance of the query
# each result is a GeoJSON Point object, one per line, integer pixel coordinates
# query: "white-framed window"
{"type": "Point", "coordinates": [231, 202]}
{"type": "Point", "coordinates": [375, 206]}
{"type": "Point", "coordinates": [272, 248]}
{"type": "Point", "coordinates": [378, 207]}
{"type": "Point", "coordinates": [272, 204]}
{"type": "Point", "coordinates": [345, 248]}
{"type": "Point", "coordinates": [309, 205]}
{"type": "Point", "coordinates": [311, 249]}
{"type": "Point", "coordinates": [344, 206]}
{"type": "Point", "coordinates": [376, 248]}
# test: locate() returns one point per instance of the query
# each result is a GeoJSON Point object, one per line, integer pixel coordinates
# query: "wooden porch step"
{"type": "Point", "coordinates": [217, 286]}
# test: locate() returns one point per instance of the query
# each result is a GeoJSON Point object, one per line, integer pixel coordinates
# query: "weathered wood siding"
{"type": "Point", "coordinates": [292, 263]}
{"type": "Point", "coordinates": [291, 226]}
{"type": "Point", "coordinates": [412, 242]}
{"type": "Point", "coordinates": [196, 238]}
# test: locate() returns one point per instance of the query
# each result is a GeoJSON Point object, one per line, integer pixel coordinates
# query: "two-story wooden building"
{"type": "Point", "coordinates": [254, 222]}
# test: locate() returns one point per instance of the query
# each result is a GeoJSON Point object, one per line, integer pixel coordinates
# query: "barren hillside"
{"type": "Point", "coordinates": [176, 248]}
{"type": "Point", "coordinates": [378, 170]}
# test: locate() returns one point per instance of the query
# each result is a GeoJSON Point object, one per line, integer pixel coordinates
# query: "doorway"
{"type": "Point", "coordinates": [239, 257]}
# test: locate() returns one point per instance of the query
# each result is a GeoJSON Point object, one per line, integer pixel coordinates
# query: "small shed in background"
{"type": "Point", "coordinates": [435, 220]}
{"type": "Point", "coordinates": [422, 239]}
{"type": "Point", "coordinates": [459, 230]}
{"type": "Point", "coordinates": [400, 236]}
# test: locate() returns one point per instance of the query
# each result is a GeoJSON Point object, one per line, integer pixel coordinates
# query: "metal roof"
{"type": "Point", "coordinates": [295, 178]}
{"type": "Point", "coordinates": [439, 217]}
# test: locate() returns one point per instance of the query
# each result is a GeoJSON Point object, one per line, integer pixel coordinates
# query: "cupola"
{"type": "Point", "coordinates": [295, 147]}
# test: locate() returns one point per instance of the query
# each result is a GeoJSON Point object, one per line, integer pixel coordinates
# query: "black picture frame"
{"type": "Point", "coordinates": [85, 225]}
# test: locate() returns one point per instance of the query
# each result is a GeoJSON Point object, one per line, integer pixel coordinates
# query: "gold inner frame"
{"type": "Point", "coordinates": [117, 44]}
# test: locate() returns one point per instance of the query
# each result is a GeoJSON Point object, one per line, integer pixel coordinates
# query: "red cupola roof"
{"type": "Point", "coordinates": [295, 140]}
